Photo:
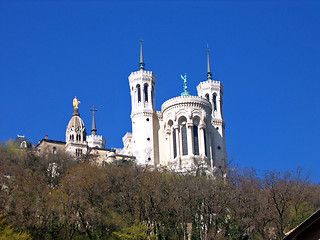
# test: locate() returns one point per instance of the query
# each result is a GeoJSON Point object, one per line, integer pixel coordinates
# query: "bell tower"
{"type": "Point", "coordinates": [143, 114]}
{"type": "Point", "coordinates": [212, 90]}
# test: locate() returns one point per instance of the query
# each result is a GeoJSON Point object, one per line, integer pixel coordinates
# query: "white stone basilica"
{"type": "Point", "coordinates": [187, 134]}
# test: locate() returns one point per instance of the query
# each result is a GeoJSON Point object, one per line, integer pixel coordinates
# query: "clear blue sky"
{"type": "Point", "coordinates": [266, 53]}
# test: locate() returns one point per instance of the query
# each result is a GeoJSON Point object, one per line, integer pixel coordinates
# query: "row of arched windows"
{"type": "Point", "coordinates": [78, 137]}
{"type": "Point", "coordinates": [180, 140]}
{"type": "Point", "coordinates": [145, 92]}
{"type": "Point", "coordinates": [214, 100]}
{"type": "Point", "coordinates": [78, 152]}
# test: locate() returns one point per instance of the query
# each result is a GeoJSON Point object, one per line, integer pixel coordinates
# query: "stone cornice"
{"type": "Point", "coordinates": [142, 113]}
{"type": "Point", "coordinates": [210, 84]}
{"type": "Point", "coordinates": [77, 144]}
{"type": "Point", "coordinates": [217, 121]}
{"type": "Point", "coordinates": [142, 74]}
{"type": "Point", "coordinates": [186, 102]}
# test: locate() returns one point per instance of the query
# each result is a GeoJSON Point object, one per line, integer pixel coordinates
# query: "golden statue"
{"type": "Point", "coordinates": [76, 103]}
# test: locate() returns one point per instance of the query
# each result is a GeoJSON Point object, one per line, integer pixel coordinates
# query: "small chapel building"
{"type": "Point", "coordinates": [78, 144]}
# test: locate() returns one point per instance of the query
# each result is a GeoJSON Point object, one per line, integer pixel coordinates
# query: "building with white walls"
{"type": "Point", "coordinates": [186, 135]}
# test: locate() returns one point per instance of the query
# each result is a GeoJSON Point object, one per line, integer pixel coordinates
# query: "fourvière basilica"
{"type": "Point", "coordinates": [187, 134]}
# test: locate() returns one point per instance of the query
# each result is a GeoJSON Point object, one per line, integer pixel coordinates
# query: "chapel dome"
{"type": "Point", "coordinates": [75, 122]}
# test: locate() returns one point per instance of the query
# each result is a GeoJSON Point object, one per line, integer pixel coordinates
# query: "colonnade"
{"type": "Point", "coordinates": [188, 139]}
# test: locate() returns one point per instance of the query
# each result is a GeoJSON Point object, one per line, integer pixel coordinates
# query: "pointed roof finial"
{"type": "Point", "coordinates": [93, 130]}
{"type": "Point", "coordinates": [141, 56]}
{"type": "Point", "coordinates": [209, 74]}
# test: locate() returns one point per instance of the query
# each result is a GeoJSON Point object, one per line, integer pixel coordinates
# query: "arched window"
{"type": "Point", "coordinates": [78, 152]}
{"type": "Point", "coordinates": [195, 140]}
{"type": "Point", "coordinates": [23, 144]}
{"type": "Point", "coordinates": [145, 90]}
{"type": "Point", "coordinates": [139, 93]}
{"type": "Point", "coordinates": [183, 132]}
{"type": "Point", "coordinates": [214, 100]}
{"type": "Point", "coordinates": [184, 140]}
{"type": "Point", "coordinates": [205, 142]}
{"type": "Point", "coordinates": [207, 96]}
{"type": "Point", "coordinates": [174, 143]}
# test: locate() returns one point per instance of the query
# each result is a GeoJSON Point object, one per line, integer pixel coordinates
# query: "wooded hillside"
{"type": "Point", "coordinates": [56, 197]}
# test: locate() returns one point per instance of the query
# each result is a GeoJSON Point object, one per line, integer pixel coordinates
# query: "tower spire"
{"type": "Point", "coordinates": [141, 56]}
{"type": "Point", "coordinates": [209, 74]}
{"type": "Point", "coordinates": [93, 130]}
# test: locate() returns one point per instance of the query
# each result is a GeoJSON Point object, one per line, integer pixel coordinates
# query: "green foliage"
{"type": "Point", "coordinates": [7, 232]}
{"type": "Point", "coordinates": [138, 231]}
{"type": "Point", "coordinates": [299, 214]}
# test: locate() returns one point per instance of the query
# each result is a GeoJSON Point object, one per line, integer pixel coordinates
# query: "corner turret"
{"type": "Point", "coordinates": [212, 91]}
{"type": "Point", "coordinates": [94, 140]}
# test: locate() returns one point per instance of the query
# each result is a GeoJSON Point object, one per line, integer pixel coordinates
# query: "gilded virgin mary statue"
{"type": "Point", "coordinates": [76, 103]}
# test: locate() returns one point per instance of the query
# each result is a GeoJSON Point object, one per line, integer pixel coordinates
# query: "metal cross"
{"type": "Point", "coordinates": [93, 109]}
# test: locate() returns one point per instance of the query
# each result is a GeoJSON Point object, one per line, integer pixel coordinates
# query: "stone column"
{"type": "Point", "coordinates": [143, 99]}
{"type": "Point", "coordinates": [135, 96]}
{"type": "Point", "coordinates": [169, 144]}
{"type": "Point", "coordinates": [176, 129]}
{"type": "Point", "coordinates": [202, 145]}
{"type": "Point", "coordinates": [190, 138]}
{"type": "Point", "coordinates": [212, 104]}
{"type": "Point", "coordinates": [149, 96]}
{"type": "Point", "coordinates": [210, 153]}
{"type": "Point", "coordinates": [219, 114]}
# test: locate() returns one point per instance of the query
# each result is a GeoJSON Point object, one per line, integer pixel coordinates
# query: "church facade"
{"type": "Point", "coordinates": [187, 134]}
